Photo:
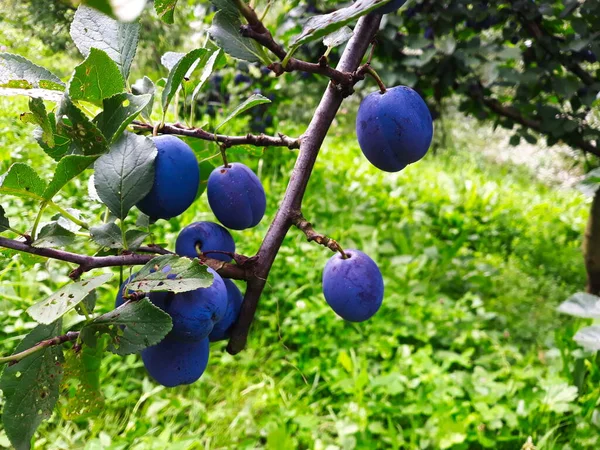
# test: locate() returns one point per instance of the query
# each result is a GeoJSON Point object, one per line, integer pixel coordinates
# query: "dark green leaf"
{"type": "Point", "coordinates": [92, 29]}
{"type": "Point", "coordinates": [515, 140]}
{"type": "Point", "coordinates": [62, 142]}
{"type": "Point", "coordinates": [67, 169]}
{"type": "Point", "coordinates": [123, 10]}
{"type": "Point", "coordinates": [22, 181]}
{"type": "Point", "coordinates": [119, 111]}
{"type": "Point", "coordinates": [84, 135]}
{"type": "Point", "coordinates": [171, 273]}
{"type": "Point", "coordinates": [126, 173]}
{"type": "Point", "coordinates": [251, 102]}
{"type": "Point", "coordinates": [132, 327]}
{"type": "Point", "coordinates": [107, 235]}
{"type": "Point", "coordinates": [135, 238]}
{"type": "Point", "coordinates": [145, 86]}
{"type": "Point", "coordinates": [4, 223]}
{"type": "Point", "coordinates": [53, 235]}
{"type": "Point", "coordinates": [65, 299]}
{"type": "Point", "coordinates": [96, 78]}
{"type": "Point", "coordinates": [19, 72]}
{"type": "Point", "coordinates": [88, 302]}
{"type": "Point", "coordinates": [226, 7]}
{"type": "Point", "coordinates": [30, 386]}
{"type": "Point", "coordinates": [165, 9]}
{"type": "Point", "coordinates": [225, 30]}
{"type": "Point", "coordinates": [39, 117]}
{"type": "Point", "coordinates": [177, 74]}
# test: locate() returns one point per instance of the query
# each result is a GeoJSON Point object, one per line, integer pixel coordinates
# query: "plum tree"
{"type": "Point", "coordinates": [205, 236]}
{"type": "Point", "coordinates": [222, 329]}
{"type": "Point", "coordinates": [173, 362]}
{"type": "Point", "coordinates": [392, 6]}
{"type": "Point", "coordinates": [194, 313]}
{"type": "Point", "coordinates": [394, 128]}
{"type": "Point", "coordinates": [353, 286]}
{"type": "Point", "coordinates": [236, 196]}
{"type": "Point", "coordinates": [176, 179]}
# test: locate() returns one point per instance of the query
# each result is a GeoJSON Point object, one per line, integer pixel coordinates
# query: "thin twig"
{"type": "Point", "coordinates": [312, 236]}
{"type": "Point", "coordinates": [58, 340]}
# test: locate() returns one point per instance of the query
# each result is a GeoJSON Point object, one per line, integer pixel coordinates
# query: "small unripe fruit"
{"type": "Point", "coordinates": [176, 179]}
{"type": "Point", "coordinates": [236, 196]}
{"type": "Point", "coordinates": [394, 128]}
{"type": "Point", "coordinates": [173, 363]}
{"type": "Point", "coordinates": [353, 287]}
{"type": "Point", "coordinates": [206, 236]}
{"type": "Point", "coordinates": [194, 313]}
{"type": "Point", "coordinates": [222, 329]}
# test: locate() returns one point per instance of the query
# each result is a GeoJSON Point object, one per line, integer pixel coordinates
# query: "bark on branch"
{"type": "Point", "coordinates": [58, 340]}
{"type": "Point", "coordinates": [312, 236]}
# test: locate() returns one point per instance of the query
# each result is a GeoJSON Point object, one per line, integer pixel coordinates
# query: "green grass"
{"type": "Point", "coordinates": [466, 352]}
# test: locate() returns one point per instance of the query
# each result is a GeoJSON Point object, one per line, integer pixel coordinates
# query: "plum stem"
{"type": "Point", "coordinates": [312, 236]}
{"type": "Point", "coordinates": [224, 156]}
{"type": "Point", "coordinates": [368, 69]}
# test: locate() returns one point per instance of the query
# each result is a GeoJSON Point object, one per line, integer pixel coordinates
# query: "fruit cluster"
{"type": "Point", "coordinates": [394, 129]}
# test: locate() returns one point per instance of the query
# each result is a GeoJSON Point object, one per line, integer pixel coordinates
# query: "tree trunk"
{"type": "Point", "coordinates": [591, 247]}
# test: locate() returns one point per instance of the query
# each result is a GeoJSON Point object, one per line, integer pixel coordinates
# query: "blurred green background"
{"type": "Point", "coordinates": [477, 251]}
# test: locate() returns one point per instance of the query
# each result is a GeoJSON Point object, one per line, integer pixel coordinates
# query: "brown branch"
{"type": "Point", "coordinates": [58, 340]}
{"type": "Point", "coordinates": [292, 201]}
{"type": "Point", "coordinates": [87, 263]}
{"type": "Point", "coordinates": [311, 235]}
{"type": "Point", "coordinates": [227, 141]}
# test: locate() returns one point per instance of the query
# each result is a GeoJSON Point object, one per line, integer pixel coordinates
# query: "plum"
{"type": "Point", "coordinates": [394, 128]}
{"type": "Point", "coordinates": [222, 329]}
{"type": "Point", "coordinates": [236, 196]}
{"type": "Point", "coordinates": [173, 363]}
{"type": "Point", "coordinates": [176, 179]}
{"type": "Point", "coordinates": [159, 299]}
{"type": "Point", "coordinates": [353, 287]}
{"type": "Point", "coordinates": [194, 313]}
{"type": "Point", "coordinates": [119, 300]}
{"type": "Point", "coordinates": [207, 236]}
{"type": "Point", "coordinates": [391, 7]}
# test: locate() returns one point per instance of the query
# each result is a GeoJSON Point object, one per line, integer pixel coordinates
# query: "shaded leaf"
{"type": "Point", "coordinates": [165, 9]}
{"type": "Point", "coordinates": [119, 111]}
{"type": "Point", "coordinates": [207, 71]}
{"type": "Point", "coordinates": [126, 173]}
{"type": "Point", "coordinates": [135, 238]}
{"type": "Point", "coordinates": [131, 327]}
{"type": "Point", "coordinates": [30, 386]}
{"type": "Point", "coordinates": [67, 169]}
{"type": "Point", "coordinates": [171, 273]}
{"type": "Point", "coordinates": [145, 86]}
{"type": "Point", "coordinates": [251, 102]}
{"type": "Point", "coordinates": [107, 235]}
{"type": "Point", "coordinates": [84, 135]}
{"type": "Point", "coordinates": [4, 223]}
{"type": "Point", "coordinates": [62, 142]}
{"type": "Point", "coordinates": [225, 31]}
{"type": "Point", "coordinates": [93, 29]}
{"type": "Point", "coordinates": [39, 117]}
{"type": "Point", "coordinates": [89, 302]}
{"type": "Point", "coordinates": [53, 235]}
{"type": "Point", "coordinates": [65, 299]}
{"type": "Point", "coordinates": [177, 74]}
{"type": "Point", "coordinates": [22, 181]}
{"type": "Point", "coordinates": [96, 78]}
{"type": "Point", "coordinates": [18, 72]}
{"type": "Point", "coordinates": [338, 37]}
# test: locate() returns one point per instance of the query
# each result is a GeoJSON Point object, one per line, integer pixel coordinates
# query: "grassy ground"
{"type": "Point", "coordinates": [466, 352]}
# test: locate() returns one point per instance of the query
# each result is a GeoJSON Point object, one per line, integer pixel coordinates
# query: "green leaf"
{"type": "Point", "coordinates": [169, 59]}
{"type": "Point", "coordinates": [119, 111]}
{"type": "Point", "coordinates": [80, 387]}
{"type": "Point", "coordinates": [125, 174]}
{"type": "Point", "coordinates": [145, 86]}
{"type": "Point", "coordinates": [171, 273]}
{"type": "Point", "coordinates": [338, 37]}
{"type": "Point", "coordinates": [177, 74]}
{"type": "Point", "coordinates": [165, 9]}
{"type": "Point", "coordinates": [107, 235]}
{"type": "Point", "coordinates": [53, 235]}
{"type": "Point", "coordinates": [319, 26]}
{"type": "Point", "coordinates": [89, 302]}
{"type": "Point", "coordinates": [65, 299]}
{"type": "Point", "coordinates": [226, 7]}
{"type": "Point", "coordinates": [30, 386]}
{"type": "Point", "coordinates": [207, 71]}
{"type": "Point", "coordinates": [4, 223]}
{"type": "Point", "coordinates": [582, 305]}
{"type": "Point", "coordinates": [589, 338]}
{"type": "Point", "coordinates": [135, 238]}
{"type": "Point", "coordinates": [84, 135]}
{"type": "Point", "coordinates": [131, 328]}
{"type": "Point", "coordinates": [225, 31]}
{"type": "Point", "coordinates": [67, 169]}
{"type": "Point", "coordinates": [39, 117]}
{"type": "Point", "coordinates": [22, 181]}
{"type": "Point", "coordinates": [62, 142]}
{"type": "Point", "coordinates": [251, 102]}
{"type": "Point", "coordinates": [93, 29]}
{"type": "Point", "coordinates": [44, 94]}
{"type": "Point", "coordinates": [206, 168]}
{"type": "Point", "coordinates": [19, 72]}
{"type": "Point", "coordinates": [96, 78]}
{"type": "Point", "coordinates": [122, 10]}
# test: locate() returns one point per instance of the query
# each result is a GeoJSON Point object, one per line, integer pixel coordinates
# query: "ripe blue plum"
{"type": "Point", "coordinates": [206, 236]}
{"type": "Point", "coordinates": [173, 363]}
{"type": "Point", "coordinates": [391, 6]}
{"type": "Point", "coordinates": [353, 287]}
{"type": "Point", "coordinates": [176, 179]}
{"type": "Point", "coordinates": [119, 300]}
{"type": "Point", "coordinates": [194, 313]}
{"type": "Point", "coordinates": [236, 196]}
{"type": "Point", "coordinates": [222, 329]}
{"type": "Point", "coordinates": [159, 299]}
{"type": "Point", "coordinates": [394, 128]}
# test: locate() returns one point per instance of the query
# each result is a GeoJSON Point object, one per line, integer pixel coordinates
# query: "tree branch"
{"type": "Point", "coordinates": [58, 340]}
{"type": "Point", "coordinates": [309, 149]}
{"type": "Point", "coordinates": [227, 141]}
{"type": "Point", "coordinates": [87, 263]}
{"type": "Point", "coordinates": [311, 235]}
